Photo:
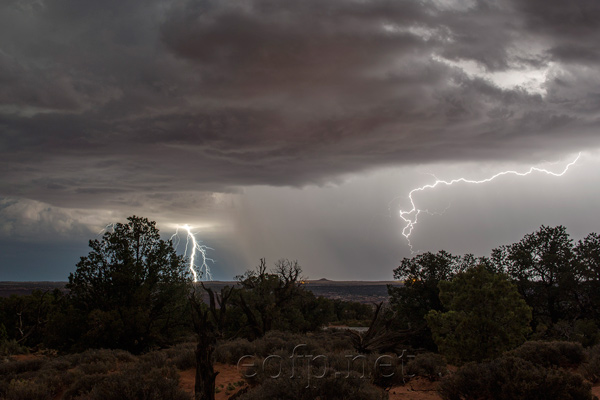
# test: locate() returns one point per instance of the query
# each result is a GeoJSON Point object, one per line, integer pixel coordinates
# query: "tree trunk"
{"type": "Point", "coordinates": [205, 374]}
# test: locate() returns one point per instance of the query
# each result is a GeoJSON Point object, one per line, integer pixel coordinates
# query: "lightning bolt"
{"type": "Point", "coordinates": [106, 228]}
{"type": "Point", "coordinates": [411, 217]}
{"type": "Point", "coordinates": [195, 248]}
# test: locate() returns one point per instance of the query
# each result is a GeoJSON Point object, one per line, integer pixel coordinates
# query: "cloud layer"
{"type": "Point", "coordinates": [102, 100]}
{"type": "Point", "coordinates": [173, 108]}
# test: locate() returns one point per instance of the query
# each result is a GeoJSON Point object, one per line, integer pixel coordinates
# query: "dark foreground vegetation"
{"type": "Point", "coordinates": [520, 324]}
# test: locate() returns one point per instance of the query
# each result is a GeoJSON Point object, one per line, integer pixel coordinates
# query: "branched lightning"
{"type": "Point", "coordinates": [411, 217]}
{"type": "Point", "coordinates": [194, 247]}
{"type": "Point", "coordinates": [106, 228]}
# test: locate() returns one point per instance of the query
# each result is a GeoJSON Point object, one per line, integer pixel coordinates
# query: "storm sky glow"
{"type": "Point", "coordinates": [293, 129]}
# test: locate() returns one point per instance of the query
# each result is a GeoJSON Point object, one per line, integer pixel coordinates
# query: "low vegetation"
{"type": "Point", "coordinates": [93, 374]}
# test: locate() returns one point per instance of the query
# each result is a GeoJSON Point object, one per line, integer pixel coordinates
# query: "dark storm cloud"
{"type": "Point", "coordinates": [115, 102]}
{"type": "Point", "coordinates": [571, 29]}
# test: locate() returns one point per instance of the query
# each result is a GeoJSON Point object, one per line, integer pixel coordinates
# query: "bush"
{"type": "Point", "coordinates": [381, 370]}
{"type": "Point", "coordinates": [83, 385]}
{"type": "Point", "coordinates": [36, 383]}
{"type": "Point", "coordinates": [512, 378]}
{"type": "Point", "coordinates": [100, 356]}
{"type": "Point", "coordinates": [11, 347]}
{"type": "Point", "coordinates": [547, 354]}
{"type": "Point", "coordinates": [3, 334]}
{"type": "Point", "coordinates": [97, 367]}
{"type": "Point", "coordinates": [591, 368]}
{"type": "Point", "coordinates": [19, 367]}
{"type": "Point", "coordinates": [57, 364]}
{"type": "Point", "coordinates": [278, 340]}
{"type": "Point", "coordinates": [330, 387]}
{"type": "Point", "coordinates": [20, 389]}
{"type": "Point", "coordinates": [139, 383]}
{"type": "Point", "coordinates": [155, 359]}
{"type": "Point", "coordinates": [231, 351]}
{"type": "Point", "coordinates": [587, 332]}
{"type": "Point", "coordinates": [429, 365]}
{"type": "Point", "coordinates": [183, 356]}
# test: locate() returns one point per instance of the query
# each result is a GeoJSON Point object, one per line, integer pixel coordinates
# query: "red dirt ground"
{"type": "Point", "coordinates": [22, 357]}
{"type": "Point", "coordinates": [417, 389]}
{"type": "Point", "coordinates": [228, 375]}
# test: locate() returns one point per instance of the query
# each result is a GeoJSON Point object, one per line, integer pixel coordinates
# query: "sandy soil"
{"type": "Point", "coordinates": [417, 389]}
{"type": "Point", "coordinates": [228, 377]}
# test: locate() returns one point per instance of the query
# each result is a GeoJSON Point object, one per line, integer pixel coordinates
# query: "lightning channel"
{"type": "Point", "coordinates": [106, 228]}
{"type": "Point", "coordinates": [198, 253]}
{"type": "Point", "coordinates": [411, 216]}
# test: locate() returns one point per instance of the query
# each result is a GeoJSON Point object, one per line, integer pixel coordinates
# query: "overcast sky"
{"type": "Point", "coordinates": [294, 128]}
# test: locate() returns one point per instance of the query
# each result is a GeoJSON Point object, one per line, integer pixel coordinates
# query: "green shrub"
{"type": "Point", "coordinates": [139, 383]}
{"type": "Point", "coordinates": [20, 389]}
{"type": "Point", "coordinates": [3, 334]}
{"type": "Point", "coordinates": [587, 332]}
{"type": "Point", "coordinates": [19, 367]}
{"type": "Point", "coordinates": [591, 368]}
{"type": "Point", "coordinates": [547, 354]}
{"type": "Point", "coordinates": [57, 364]}
{"type": "Point", "coordinates": [512, 378]}
{"type": "Point", "coordinates": [429, 365]}
{"type": "Point", "coordinates": [39, 384]}
{"type": "Point", "coordinates": [155, 359]}
{"type": "Point", "coordinates": [381, 370]}
{"type": "Point", "coordinates": [278, 340]}
{"type": "Point", "coordinates": [230, 352]}
{"type": "Point", "coordinates": [183, 356]}
{"type": "Point", "coordinates": [93, 374]}
{"type": "Point", "coordinates": [83, 385]}
{"type": "Point", "coordinates": [134, 382]}
{"type": "Point", "coordinates": [11, 347]}
{"type": "Point", "coordinates": [97, 367]}
{"type": "Point", "coordinates": [330, 387]}
{"type": "Point", "coordinates": [99, 355]}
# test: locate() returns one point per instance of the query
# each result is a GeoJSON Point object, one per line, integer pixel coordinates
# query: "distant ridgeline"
{"type": "Point", "coordinates": [24, 288]}
{"type": "Point", "coordinates": [361, 291]}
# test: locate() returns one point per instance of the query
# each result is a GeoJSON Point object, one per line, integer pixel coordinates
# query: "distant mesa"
{"type": "Point", "coordinates": [324, 280]}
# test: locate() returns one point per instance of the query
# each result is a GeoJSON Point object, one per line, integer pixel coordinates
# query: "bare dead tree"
{"type": "Point", "coordinates": [262, 294]}
{"type": "Point", "coordinates": [380, 338]}
{"type": "Point", "coordinates": [288, 271]}
{"type": "Point", "coordinates": [209, 323]}
{"type": "Point", "coordinates": [39, 322]}
{"type": "Point", "coordinates": [221, 299]}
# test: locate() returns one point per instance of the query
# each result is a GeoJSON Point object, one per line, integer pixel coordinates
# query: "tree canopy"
{"type": "Point", "coordinates": [419, 293]}
{"type": "Point", "coordinates": [129, 287]}
{"type": "Point", "coordinates": [486, 316]}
